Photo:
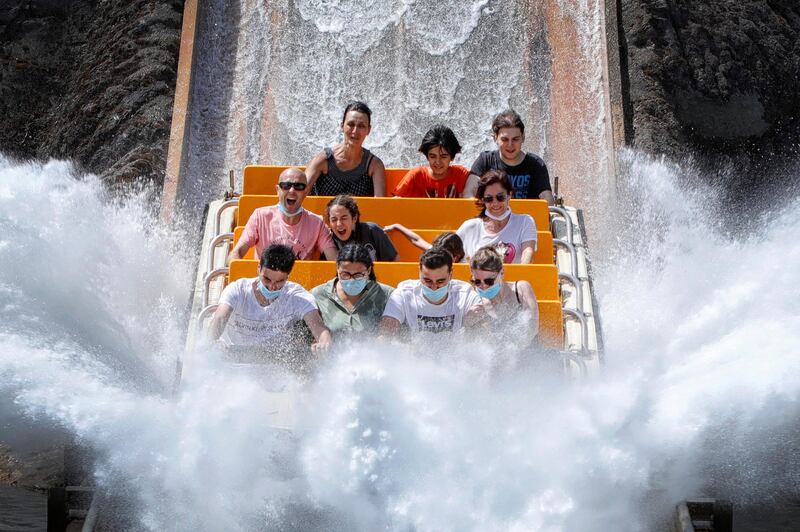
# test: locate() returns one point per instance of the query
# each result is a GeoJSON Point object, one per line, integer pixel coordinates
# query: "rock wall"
{"type": "Point", "coordinates": [91, 81]}
{"type": "Point", "coordinates": [716, 79]}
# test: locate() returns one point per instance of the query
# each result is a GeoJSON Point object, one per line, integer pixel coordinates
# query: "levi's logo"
{"type": "Point", "coordinates": [436, 324]}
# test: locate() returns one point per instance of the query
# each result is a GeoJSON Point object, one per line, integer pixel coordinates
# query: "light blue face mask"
{"type": "Point", "coordinates": [492, 291]}
{"type": "Point", "coordinates": [282, 208]}
{"type": "Point", "coordinates": [353, 287]}
{"type": "Point", "coordinates": [435, 295]}
{"type": "Point", "coordinates": [266, 292]}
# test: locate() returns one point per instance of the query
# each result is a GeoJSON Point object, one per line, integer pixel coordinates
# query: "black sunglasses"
{"type": "Point", "coordinates": [501, 197]}
{"type": "Point", "coordinates": [286, 185]}
{"type": "Point", "coordinates": [489, 281]}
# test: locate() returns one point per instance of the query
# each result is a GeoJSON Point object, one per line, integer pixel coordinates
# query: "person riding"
{"type": "Point", "coordinates": [344, 219]}
{"type": "Point", "coordinates": [353, 301]}
{"type": "Point", "coordinates": [260, 311]}
{"type": "Point", "coordinates": [433, 303]}
{"type": "Point", "coordinates": [287, 223]}
{"type": "Point", "coordinates": [348, 167]}
{"type": "Point", "coordinates": [447, 240]}
{"type": "Point", "coordinates": [503, 301]}
{"type": "Point", "coordinates": [527, 172]}
{"type": "Point", "coordinates": [439, 179]}
{"type": "Point", "coordinates": [512, 235]}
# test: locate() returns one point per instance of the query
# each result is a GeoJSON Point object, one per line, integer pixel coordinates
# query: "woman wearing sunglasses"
{"type": "Point", "coordinates": [354, 300]}
{"type": "Point", "coordinates": [348, 167]}
{"type": "Point", "coordinates": [503, 301]}
{"type": "Point", "coordinates": [512, 235]}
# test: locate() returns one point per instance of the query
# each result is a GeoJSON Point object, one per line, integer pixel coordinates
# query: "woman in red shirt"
{"type": "Point", "coordinates": [439, 179]}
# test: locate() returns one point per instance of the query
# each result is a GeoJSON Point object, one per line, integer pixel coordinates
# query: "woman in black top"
{"type": "Point", "coordinates": [348, 167]}
{"type": "Point", "coordinates": [343, 219]}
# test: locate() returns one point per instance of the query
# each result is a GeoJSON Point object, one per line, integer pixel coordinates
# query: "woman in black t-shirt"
{"type": "Point", "coordinates": [527, 172]}
{"type": "Point", "coordinates": [343, 219]}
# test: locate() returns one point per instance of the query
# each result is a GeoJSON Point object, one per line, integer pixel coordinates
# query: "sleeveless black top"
{"type": "Point", "coordinates": [356, 182]}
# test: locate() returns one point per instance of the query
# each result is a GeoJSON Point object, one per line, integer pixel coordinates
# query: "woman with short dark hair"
{"type": "Point", "coordinates": [354, 300]}
{"type": "Point", "coordinates": [439, 179]}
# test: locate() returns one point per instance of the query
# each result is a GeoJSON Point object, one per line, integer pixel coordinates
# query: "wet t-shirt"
{"type": "Point", "coordinates": [409, 307]}
{"type": "Point", "coordinates": [250, 324]}
{"type": "Point", "coordinates": [529, 178]}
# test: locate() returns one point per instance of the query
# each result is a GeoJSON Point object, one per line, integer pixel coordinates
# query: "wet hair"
{"type": "Point", "coordinates": [360, 107]}
{"type": "Point", "coordinates": [451, 243]}
{"type": "Point", "coordinates": [443, 136]}
{"type": "Point", "coordinates": [508, 118]}
{"type": "Point", "coordinates": [345, 201]}
{"type": "Point", "coordinates": [436, 257]}
{"type": "Point", "coordinates": [278, 257]}
{"type": "Point", "coordinates": [486, 258]}
{"type": "Point", "coordinates": [356, 252]}
{"type": "Point", "coordinates": [490, 178]}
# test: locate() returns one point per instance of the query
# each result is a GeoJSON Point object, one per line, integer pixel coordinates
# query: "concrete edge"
{"type": "Point", "coordinates": [179, 131]}
{"type": "Point", "coordinates": [615, 77]}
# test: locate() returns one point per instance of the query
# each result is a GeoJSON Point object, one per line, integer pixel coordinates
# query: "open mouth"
{"type": "Point", "coordinates": [290, 202]}
{"type": "Point", "coordinates": [340, 233]}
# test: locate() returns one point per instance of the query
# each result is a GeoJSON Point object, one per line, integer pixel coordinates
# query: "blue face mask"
{"type": "Point", "coordinates": [266, 292]}
{"type": "Point", "coordinates": [435, 295]}
{"type": "Point", "coordinates": [492, 291]}
{"type": "Point", "coordinates": [353, 287]}
{"type": "Point", "coordinates": [283, 210]}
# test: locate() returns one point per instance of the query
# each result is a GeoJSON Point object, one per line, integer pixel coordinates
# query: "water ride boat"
{"type": "Point", "coordinates": [560, 274]}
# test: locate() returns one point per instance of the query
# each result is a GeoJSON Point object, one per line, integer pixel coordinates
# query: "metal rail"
{"type": "Point", "coordinates": [210, 276]}
{"type": "Point", "coordinates": [212, 246]}
{"type": "Point", "coordinates": [567, 220]}
{"type": "Point", "coordinates": [572, 356]}
{"type": "Point", "coordinates": [581, 317]}
{"type": "Point", "coordinates": [204, 314]}
{"type": "Point", "coordinates": [223, 207]}
{"type": "Point", "coordinates": [573, 253]}
{"type": "Point", "coordinates": [574, 281]}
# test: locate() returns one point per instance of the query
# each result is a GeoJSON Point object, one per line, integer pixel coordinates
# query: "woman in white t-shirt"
{"type": "Point", "coordinates": [512, 235]}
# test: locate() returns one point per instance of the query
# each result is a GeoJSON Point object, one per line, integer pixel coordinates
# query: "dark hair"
{"type": "Point", "coordinates": [345, 201]}
{"type": "Point", "coordinates": [490, 178]}
{"type": "Point", "coordinates": [436, 258]}
{"type": "Point", "coordinates": [356, 252]}
{"type": "Point", "coordinates": [360, 107]}
{"type": "Point", "coordinates": [508, 118]}
{"type": "Point", "coordinates": [440, 135]}
{"type": "Point", "coordinates": [486, 258]}
{"type": "Point", "coordinates": [451, 243]}
{"type": "Point", "coordinates": [278, 257]}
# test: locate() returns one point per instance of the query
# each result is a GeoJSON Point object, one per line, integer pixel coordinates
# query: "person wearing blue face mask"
{"type": "Point", "coordinates": [354, 300]}
{"type": "Point", "coordinates": [434, 303]}
{"type": "Point", "coordinates": [502, 302]}
{"type": "Point", "coordinates": [261, 311]}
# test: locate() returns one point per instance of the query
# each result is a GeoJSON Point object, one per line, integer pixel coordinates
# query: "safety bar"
{"type": "Point", "coordinates": [573, 280]}
{"type": "Point", "coordinates": [210, 276]}
{"type": "Point", "coordinates": [573, 254]}
{"type": "Point", "coordinates": [210, 309]}
{"type": "Point", "coordinates": [581, 317]}
{"type": "Point", "coordinates": [212, 245]}
{"type": "Point", "coordinates": [570, 229]}
{"type": "Point", "coordinates": [572, 356]}
{"type": "Point", "coordinates": [223, 207]}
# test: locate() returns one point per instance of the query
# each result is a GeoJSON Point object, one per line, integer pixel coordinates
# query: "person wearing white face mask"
{"type": "Point", "coordinates": [512, 235]}
{"type": "Point", "coordinates": [434, 303]}
{"type": "Point", "coordinates": [354, 300]}
{"type": "Point", "coordinates": [260, 311]}
{"type": "Point", "coordinates": [287, 223]}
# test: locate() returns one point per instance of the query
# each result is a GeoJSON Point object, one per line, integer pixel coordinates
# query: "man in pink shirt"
{"type": "Point", "coordinates": [287, 223]}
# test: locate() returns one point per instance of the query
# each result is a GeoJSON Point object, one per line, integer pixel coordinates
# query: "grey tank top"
{"type": "Point", "coordinates": [356, 182]}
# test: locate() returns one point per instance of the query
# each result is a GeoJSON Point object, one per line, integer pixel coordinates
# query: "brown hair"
{"type": "Point", "coordinates": [345, 201]}
{"type": "Point", "coordinates": [490, 178]}
{"type": "Point", "coordinates": [486, 258]}
{"type": "Point", "coordinates": [450, 242]}
{"type": "Point", "coordinates": [508, 118]}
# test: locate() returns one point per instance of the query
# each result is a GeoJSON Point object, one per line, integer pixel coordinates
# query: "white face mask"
{"type": "Point", "coordinates": [501, 217]}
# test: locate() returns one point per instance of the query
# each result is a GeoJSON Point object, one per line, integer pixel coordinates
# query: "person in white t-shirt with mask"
{"type": "Point", "coordinates": [512, 235]}
{"type": "Point", "coordinates": [434, 303]}
{"type": "Point", "coordinates": [260, 311]}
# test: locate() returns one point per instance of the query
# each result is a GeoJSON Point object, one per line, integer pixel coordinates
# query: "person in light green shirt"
{"type": "Point", "coordinates": [354, 300]}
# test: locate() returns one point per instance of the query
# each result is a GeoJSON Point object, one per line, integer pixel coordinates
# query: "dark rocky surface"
{"type": "Point", "coordinates": [719, 80]}
{"type": "Point", "coordinates": [91, 81]}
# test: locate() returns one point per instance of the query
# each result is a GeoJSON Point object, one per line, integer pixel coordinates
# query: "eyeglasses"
{"type": "Point", "coordinates": [346, 276]}
{"type": "Point", "coordinates": [286, 185]}
{"type": "Point", "coordinates": [501, 197]}
{"type": "Point", "coordinates": [489, 281]}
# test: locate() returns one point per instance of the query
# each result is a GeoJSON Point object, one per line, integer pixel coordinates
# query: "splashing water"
{"type": "Point", "coordinates": [700, 390]}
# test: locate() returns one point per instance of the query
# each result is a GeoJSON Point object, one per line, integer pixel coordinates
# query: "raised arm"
{"type": "Point", "coordinates": [321, 333]}
{"type": "Point", "coordinates": [218, 321]}
{"type": "Point", "coordinates": [378, 173]}
{"type": "Point", "coordinates": [317, 166]}
{"type": "Point", "coordinates": [413, 237]}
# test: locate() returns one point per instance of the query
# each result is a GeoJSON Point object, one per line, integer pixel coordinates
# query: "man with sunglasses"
{"type": "Point", "coordinates": [434, 303]}
{"type": "Point", "coordinates": [287, 223]}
